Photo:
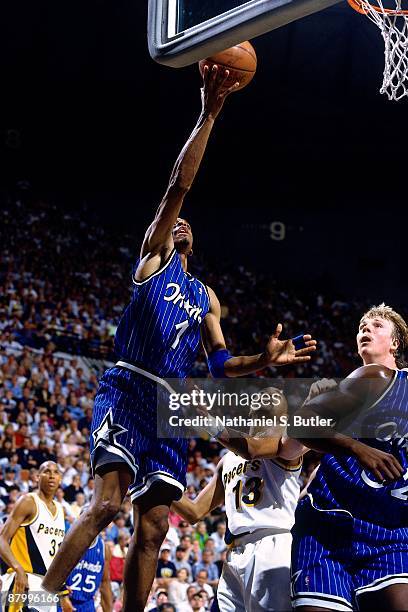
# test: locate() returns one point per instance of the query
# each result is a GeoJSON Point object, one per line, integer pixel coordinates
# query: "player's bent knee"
{"type": "Point", "coordinates": [154, 525]}
{"type": "Point", "coordinates": [104, 510]}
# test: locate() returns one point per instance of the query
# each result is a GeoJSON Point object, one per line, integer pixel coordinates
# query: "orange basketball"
{"type": "Point", "coordinates": [239, 60]}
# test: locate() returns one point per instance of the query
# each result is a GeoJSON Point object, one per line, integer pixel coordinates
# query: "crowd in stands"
{"type": "Point", "coordinates": [63, 285]}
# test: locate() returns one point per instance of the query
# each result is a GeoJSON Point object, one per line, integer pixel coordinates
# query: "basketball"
{"type": "Point", "coordinates": [240, 60]}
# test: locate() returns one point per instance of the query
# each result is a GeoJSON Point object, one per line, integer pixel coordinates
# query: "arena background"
{"type": "Point", "coordinates": [298, 209]}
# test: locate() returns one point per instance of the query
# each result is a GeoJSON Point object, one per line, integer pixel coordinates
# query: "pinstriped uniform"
{"type": "Point", "coordinates": [351, 532]}
{"type": "Point", "coordinates": [86, 577]}
{"type": "Point", "coordinates": [158, 337]}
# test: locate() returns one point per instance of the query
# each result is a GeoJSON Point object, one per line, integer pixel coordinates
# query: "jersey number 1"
{"type": "Point", "coordinates": [181, 329]}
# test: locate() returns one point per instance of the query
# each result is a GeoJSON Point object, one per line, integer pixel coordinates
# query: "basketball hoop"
{"type": "Point", "coordinates": [393, 24]}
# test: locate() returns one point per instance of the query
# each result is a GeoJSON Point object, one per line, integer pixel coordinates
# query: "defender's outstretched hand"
{"type": "Point", "coordinates": [283, 352]}
{"type": "Point", "coordinates": [214, 91]}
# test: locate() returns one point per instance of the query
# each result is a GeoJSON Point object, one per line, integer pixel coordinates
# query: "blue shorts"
{"type": "Point", "coordinates": [337, 558]}
{"type": "Point", "coordinates": [124, 430]}
{"type": "Point", "coordinates": [84, 606]}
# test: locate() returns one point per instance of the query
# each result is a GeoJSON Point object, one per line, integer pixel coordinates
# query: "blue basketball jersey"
{"type": "Point", "coordinates": [86, 577]}
{"type": "Point", "coordinates": [342, 484]}
{"type": "Point", "coordinates": [159, 329]}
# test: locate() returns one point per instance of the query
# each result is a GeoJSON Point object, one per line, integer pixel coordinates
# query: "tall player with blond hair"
{"type": "Point", "coordinates": [351, 532]}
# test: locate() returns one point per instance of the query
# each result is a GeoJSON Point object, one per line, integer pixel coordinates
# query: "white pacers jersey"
{"type": "Point", "coordinates": [259, 494]}
{"type": "Point", "coordinates": [35, 544]}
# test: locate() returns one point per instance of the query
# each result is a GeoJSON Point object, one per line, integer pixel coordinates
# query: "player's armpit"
{"type": "Point", "coordinates": [159, 233]}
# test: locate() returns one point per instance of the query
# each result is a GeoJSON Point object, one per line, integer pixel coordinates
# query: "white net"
{"type": "Point", "coordinates": [394, 30]}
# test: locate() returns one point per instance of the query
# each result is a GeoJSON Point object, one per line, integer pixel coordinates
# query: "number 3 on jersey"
{"type": "Point", "coordinates": [252, 497]}
{"type": "Point", "coordinates": [181, 329]}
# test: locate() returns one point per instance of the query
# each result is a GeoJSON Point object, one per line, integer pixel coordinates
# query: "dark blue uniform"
{"type": "Point", "coordinates": [158, 337]}
{"type": "Point", "coordinates": [86, 577]}
{"type": "Point", "coordinates": [351, 531]}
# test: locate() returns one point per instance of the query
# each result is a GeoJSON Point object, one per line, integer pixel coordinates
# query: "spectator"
{"type": "Point", "coordinates": [117, 563]}
{"type": "Point", "coordinates": [207, 564]}
{"type": "Point", "coordinates": [181, 561]}
{"type": "Point", "coordinates": [72, 489]}
{"type": "Point", "coordinates": [178, 588]}
{"type": "Point", "coordinates": [26, 454]}
{"type": "Point", "coordinates": [165, 567]}
{"type": "Point", "coordinates": [218, 537]}
{"type": "Point", "coordinates": [201, 582]}
{"type": "Point", "coordinates": [201, 534]}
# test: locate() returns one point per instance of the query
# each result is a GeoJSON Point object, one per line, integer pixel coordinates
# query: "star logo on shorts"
{"type": "Point", "coordinates": [108, 430]}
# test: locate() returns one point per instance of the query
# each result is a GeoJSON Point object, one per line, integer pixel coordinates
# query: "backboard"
{"type": "Point", "coordinates": [181, 32]}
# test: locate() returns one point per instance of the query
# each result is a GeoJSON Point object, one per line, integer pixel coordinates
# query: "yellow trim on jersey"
{"type": "Point", "coordinates": [37, 510]}
{"type": "Point", "coordinates": [286, 467]}
{"type": "Point", "coordinates": [19, 548]}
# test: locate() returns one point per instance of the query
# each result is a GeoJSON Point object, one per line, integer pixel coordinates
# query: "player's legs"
{"type": "Point", "coordinates": [230, 591]}
{"type": "Point", "coordinates": [321, 549]}
{"type": "Point", "coordinates": [110, 489]}
{"type": "Point", "coordinates": [150, 527]}
{"type": "Point", "coordinates": [38, 598]}
{"type": "Point", "coordinates": [393, 598]}
{"type": "Point", "coordinates": [267, 575]}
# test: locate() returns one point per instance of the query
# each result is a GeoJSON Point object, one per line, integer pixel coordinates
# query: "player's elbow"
{"type": "Point", "coordinates": [179, 187]}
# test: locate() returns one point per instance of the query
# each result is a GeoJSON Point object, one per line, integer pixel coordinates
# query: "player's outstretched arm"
{"type": "Point", "coordinates": [105, 588]}
{"type": "Point", "coordinates": [23, 512]}
{"type": "Point", "coordinates": [192, 510]}
{"type": "Point", "coordinates": [158, 238]}
{"type": "Point", "coordinates": [360, 389]}
{"type": "Point", "coordinates": [277, 352]}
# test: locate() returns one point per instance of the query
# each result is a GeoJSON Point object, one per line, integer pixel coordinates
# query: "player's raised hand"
{"type": "Point", "coordinates": [214, 90]}
{"type": "Point", "coordinates": [283, 352]}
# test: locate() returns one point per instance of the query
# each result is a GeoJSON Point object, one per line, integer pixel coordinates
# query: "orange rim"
{"type": "Point", "coordinates": [357, 6]}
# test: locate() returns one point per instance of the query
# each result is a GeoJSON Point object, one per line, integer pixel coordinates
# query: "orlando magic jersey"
{"type": "Point", "coordinates": [341, 483]}
{"type": "Point", "coordinates": [160, 327]}
{"type": "Point", "coordinates": [259, 494]}
{"type": "Point", "coordinates": [86, 577]}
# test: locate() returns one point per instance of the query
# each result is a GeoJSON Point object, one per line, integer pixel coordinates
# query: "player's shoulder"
{"type": "Point", "coordinates": [374, 370]}
{"type": "Point", "coordinates": [215, 305]}
{"type": "Point", "coordinates": [26, 507]}
{"type": "Point", "coordinates": [369, 381]}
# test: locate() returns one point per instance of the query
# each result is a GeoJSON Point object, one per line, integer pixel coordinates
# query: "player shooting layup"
{"type": "Point", "coordinates": [158, 337]}
{"type": "Point", "coordinates": [351, 532]}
